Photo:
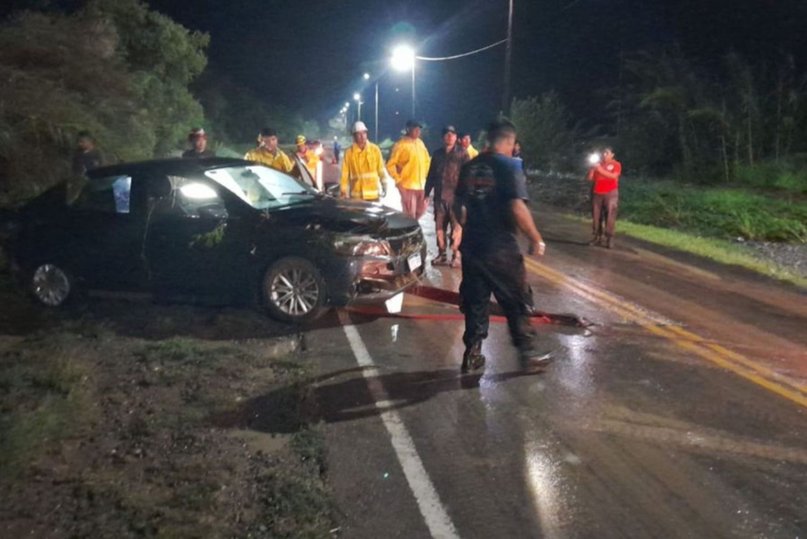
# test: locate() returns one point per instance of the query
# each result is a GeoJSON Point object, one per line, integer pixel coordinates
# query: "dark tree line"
{"type": "Point", "coordinates": [672, 116]}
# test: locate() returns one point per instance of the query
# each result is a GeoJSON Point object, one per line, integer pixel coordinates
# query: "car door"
{"type": "Point", "coordinates": [104, 235]}
{"type": "Point", "coordinates": [198, 241]}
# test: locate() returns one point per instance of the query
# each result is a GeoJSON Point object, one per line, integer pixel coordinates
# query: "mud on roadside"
{"type": "Point", "coordinates": [128, 420]}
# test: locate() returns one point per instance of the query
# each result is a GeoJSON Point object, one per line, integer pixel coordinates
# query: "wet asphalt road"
{"type": "Point", "coordinates": [681, 413]}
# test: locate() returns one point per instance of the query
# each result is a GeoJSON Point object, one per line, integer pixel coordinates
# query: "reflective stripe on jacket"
{"type": "Point", "coordinates": [412, 158]}
{"type": "Point", "coordinates": [362, 171]}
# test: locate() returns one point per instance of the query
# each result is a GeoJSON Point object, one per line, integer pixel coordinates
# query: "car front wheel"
{"type": "Point", "coordinates": [51, 285]}
{"type": "Point", "coordinates": [294, 290]}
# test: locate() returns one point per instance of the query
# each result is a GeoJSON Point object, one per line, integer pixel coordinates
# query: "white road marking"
{"type": "Point", "coordinates": [431, 508]}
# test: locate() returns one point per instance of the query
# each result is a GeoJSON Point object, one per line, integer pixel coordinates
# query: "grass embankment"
{"type": "Point", "coordinates": [109, 436]}
{"type": "Point", "coordinates": [704, 221]}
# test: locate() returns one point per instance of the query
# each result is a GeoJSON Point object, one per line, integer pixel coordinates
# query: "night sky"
{"type": "Point", "coordinates": [310, 55]}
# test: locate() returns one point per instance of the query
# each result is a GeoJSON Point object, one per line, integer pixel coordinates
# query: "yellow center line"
{"type": "Point", "coordinates": [716, 354]}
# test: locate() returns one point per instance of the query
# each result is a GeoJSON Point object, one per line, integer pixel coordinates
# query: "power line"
{"type": "Point", "coordinates": [463, 54]}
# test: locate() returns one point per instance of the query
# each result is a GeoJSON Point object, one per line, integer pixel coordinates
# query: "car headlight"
{"type": "Point", "coordinates": [362, 247]}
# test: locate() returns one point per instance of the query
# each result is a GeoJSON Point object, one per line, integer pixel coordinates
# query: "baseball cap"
{"type": "Point", "coordinates": [359, 126]}
{"type": "Point", "coordinates": [268, 132]}
{"type": "Point", "coordinates": [449, 129]}
{"type": "Point", "coordinates": [413, 123]}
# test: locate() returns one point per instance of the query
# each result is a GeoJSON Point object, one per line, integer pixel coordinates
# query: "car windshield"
{"type": "Point", "coordinates": [261, 187]}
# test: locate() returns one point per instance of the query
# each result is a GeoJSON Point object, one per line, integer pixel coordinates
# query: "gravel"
{"type": "Point", "coordinates": [791, 256]}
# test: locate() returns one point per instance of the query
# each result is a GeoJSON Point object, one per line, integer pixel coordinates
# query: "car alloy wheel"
{"type": "Point", "coordinates": [294, 290]}
{"type": "Point", "coordinates": [51, 285]}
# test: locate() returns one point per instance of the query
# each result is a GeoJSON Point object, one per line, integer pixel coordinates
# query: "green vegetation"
{"type": "Point", "coordinates": [130, 76]}
{"type": "Point", "coordinates": [724, 213]}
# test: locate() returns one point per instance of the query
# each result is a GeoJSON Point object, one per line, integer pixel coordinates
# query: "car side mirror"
{"type": "Point", "coordinates": [213, 211]}
{"type": "Point", "coordinates": [332, 190]}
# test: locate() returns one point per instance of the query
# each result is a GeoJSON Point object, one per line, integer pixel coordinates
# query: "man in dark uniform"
{"type": "Point", "coordinates": [491, 203]}
{"type": "Point", "coordinates": [198, 140]}
{"type": "Point", "coordinates": [86, 156]}
{"type": "Point", "coordinates": [444, 173]}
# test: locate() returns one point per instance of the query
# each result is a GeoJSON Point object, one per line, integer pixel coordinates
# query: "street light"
{"type": "Point", "coordinates": [366, 76]}
{"type": "Point", "coordinates": [403, 59]}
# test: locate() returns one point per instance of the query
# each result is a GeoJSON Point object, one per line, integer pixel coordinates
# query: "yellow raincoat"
{"type": "Point", "coordinates": [409, 163]}
{"type": "Point", "coordinates": [362, 172]}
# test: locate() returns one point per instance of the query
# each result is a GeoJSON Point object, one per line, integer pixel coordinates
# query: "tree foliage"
{"type": "Point", "coordinates": [114, 68]}
{"type": "Point", "coordinates": [545, 130]}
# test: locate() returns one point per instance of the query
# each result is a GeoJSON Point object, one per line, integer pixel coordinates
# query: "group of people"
{"type": "Point", "coordinates": [481, 199]}
{"type": "Point", "coordinates": [418, 177]}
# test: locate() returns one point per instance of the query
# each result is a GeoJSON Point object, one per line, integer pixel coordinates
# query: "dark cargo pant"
{"type": "Point", "coordinates": [609, 202]}
{"type": "Point", "coordinates": [501, 273]}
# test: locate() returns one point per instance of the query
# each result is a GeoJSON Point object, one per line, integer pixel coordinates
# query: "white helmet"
{"type": "Point", "coordinates": [359, 126]}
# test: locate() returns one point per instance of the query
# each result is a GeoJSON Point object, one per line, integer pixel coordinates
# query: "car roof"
{"type": "Point", "coordinates": [169, 167]}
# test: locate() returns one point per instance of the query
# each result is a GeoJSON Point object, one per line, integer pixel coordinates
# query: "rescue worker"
{"type": "Point", "coordinates": [604, 198]}
{"type": "Point", "coordinates": [267, 153]}
{"type": "Point", "coordinates": [491, 203]}
{"type": "Point", "coordinates": [302, 148]}
{"type": "Point", "coordinates": [444, 173]}
{"type": "Point", "coordinates": [465, 140]}
{"type": "Point", "coordinates": [408, 165]}
{"type": "Point", "coordinates": [86, 156]}
{"type": "Point", "coordinates": [198, 141]}
{"type": "Point", "coordinates": [362, 168]}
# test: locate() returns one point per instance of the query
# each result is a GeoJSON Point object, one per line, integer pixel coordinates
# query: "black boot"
{"type": "Point", "coordinates": [472, 359]}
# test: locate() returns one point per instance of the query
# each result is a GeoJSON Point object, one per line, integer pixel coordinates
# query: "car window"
{"type": "Point", "coordinates": [261, 187]}
{"type": "Point", "coordinates": [191, 198]}
{"type": "Point", "coordinates": [109, 195]}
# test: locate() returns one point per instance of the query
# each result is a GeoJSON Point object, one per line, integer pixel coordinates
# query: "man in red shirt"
{"type": "Point", "coordinates": [605, 196]}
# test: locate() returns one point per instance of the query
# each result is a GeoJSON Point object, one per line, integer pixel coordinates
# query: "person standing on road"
{"type": "Point", "coordinates": [198, 141]}
{"type": "Point", "coordinates": [408, 165]}
{"type": "Point", "coordinates": [267, 153]}
{"type": "Point", "coordinates": [605, 197]}
{"type": "Point", "coordinates": [86, 157]}
{"type": "Point", "coordinates": [491, 201]}
{"type": "Point", "coordinates": [465, 141]}
{"type": "Point", "coordinates": [362, 168]}
{"type": "Point", "coordinates": [444, 173]}
{"type": "Point", "coordinates": [337, 149]}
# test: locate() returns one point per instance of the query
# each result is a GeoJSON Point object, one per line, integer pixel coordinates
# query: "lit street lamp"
{"type": "Point", "coordinates": [403, 59]}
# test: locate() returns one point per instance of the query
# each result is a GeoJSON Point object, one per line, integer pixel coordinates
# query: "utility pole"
{"type": "Point", "coordinates": [376, 110]}
{"type": "Point", "coordinates": [507, 60]}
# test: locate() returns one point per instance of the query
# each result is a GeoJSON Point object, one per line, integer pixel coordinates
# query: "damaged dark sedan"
{"type": "Point", "coordinates": [224, 229]}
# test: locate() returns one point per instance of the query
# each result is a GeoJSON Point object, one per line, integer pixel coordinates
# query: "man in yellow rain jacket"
{"type": "Point", "coordinates": [409, 165]}
{"type": "Point", "coordinates": [267, 153]}
{"type": "Point", "coordinates": [362, 168]}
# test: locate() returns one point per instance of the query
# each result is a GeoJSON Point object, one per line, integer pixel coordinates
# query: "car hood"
{"type": "Point", "coordinates": [346, 216]}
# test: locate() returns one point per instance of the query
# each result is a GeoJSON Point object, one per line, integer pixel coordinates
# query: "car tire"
{"type": "Point", "coordinates": [51, 285]}
{"type": "Point", "coordinates": [294, 290]}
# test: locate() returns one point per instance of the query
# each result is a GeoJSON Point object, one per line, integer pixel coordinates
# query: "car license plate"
{"type": "Point", "coordinates": [414, 262]}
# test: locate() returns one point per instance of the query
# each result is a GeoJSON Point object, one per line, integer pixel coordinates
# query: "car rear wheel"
{"type": "Point", "coordinates": [294, 290]}
{"type": "Point", "coordinates": [51, 285]}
